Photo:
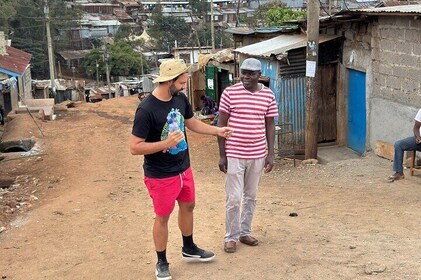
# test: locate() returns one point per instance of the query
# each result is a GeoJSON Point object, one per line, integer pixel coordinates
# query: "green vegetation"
{"type": "Point", "coordinates": [166, 30]}
{"type": "Point", "coordinates": [278, 16]}
{"type": "Point", "coordinates": [124, 31]}
{"type": "Point", "coordinates": [199, 7]}
{"type": "Point", "coordinates": [122, 61]}
{"type": "Point", "coordinates": [275, 14]}
{"type": "Point", "coordinates": [23, 22]}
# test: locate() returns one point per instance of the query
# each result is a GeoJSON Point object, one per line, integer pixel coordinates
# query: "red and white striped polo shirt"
{"type": "Point", "coordinates": [247, 112]}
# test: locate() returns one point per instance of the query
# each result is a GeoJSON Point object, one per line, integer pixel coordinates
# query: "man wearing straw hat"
{"type": "Point", "coordinates": [159, 134]}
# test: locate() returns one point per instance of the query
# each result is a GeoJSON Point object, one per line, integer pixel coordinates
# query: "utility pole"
{"type": "Point", "coordinates": [195, 32]}
{"type": "Point", "coordinates": [97, 75]}
{"type": "Point", "coordinates": [313, 10]}
{"type": "Point", "coordinates": [330, 7]}
{"type": "Point", "coordinates": [141, 64]}
{"type": "Point", "coordinates": [237, 21]}
{"type": "Point", "coordinates": [107, 71]}
{"type": "Point", "coordinates": [212, 27]}
{"type": "Point", "coordinates": [50, 48]}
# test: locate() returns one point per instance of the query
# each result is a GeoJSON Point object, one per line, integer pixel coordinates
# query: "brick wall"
{"type": "Point", "coordinates": [388, 50]}
{"type": "Point", "coordinates": [396, 59]}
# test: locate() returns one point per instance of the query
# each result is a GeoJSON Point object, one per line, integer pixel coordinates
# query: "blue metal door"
{"type": "Point", "coordinates": [356, 136]}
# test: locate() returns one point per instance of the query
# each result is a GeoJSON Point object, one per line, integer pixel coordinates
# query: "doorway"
{"type": "Point", "coordinates": [327, 131]}
{"type": "Point", "coordinates": [357, 125]}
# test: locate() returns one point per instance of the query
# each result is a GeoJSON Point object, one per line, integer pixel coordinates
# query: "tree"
{"type": "Point", "coordinates": [27, 32]}
{"type": "Point", "coordinates": [278, 16]}
{"type": "Point", "coordinates": [24, 20]}
{"type": "Point", "coordinates": [274, 13]}
{"type": "Point", "coordinates": [63, 18]}
{"type": "Point", "coordinates": [94, 57]}
{"type": "Point", "coordinates": [124, 31]}
{"type": "Point", "coordinates": [122, 60]}
{"type": "Point", "coordinates": [199, 8]}
{"type": "Point", "coordinates": [7, 11]}
{"type": "Point", "coordinates": [222, 39]}
{"type": "Point", "coordinates": [166, 30]}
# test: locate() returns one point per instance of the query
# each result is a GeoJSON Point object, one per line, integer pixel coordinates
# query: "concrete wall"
{"type": "Point", "coordinates": [27, 85]}
{"type": "Point", "coordinates": [357, 55]}
{"type": "Point", "coordinates": [397, 60]}
{"type": "Point", "coordinates": [47, 105]}
{"type": "Point", "coordinates": [388, 50]}
{"type": "Point", "coordinates": [390, 120]}
{"type": "Point", "coordinates": [396, 96]}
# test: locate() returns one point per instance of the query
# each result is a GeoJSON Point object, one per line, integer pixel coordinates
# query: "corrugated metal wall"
{"type": "Point", "coordinates": [270, 70]}
{"type": "Point", "coordinates": [290, 95]}
{"type": "Point", "coordinates": [295, 65]}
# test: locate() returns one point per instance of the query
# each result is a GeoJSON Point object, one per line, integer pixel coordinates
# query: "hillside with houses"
{"type": "Point", "coordinates": [73, 73]}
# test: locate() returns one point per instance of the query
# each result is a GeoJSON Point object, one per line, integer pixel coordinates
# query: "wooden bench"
{"type": "Point", "coordinates": [413, 168]}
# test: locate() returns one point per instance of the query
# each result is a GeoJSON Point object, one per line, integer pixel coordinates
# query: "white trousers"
{"type": "Point", "coordinates": [241, 184]}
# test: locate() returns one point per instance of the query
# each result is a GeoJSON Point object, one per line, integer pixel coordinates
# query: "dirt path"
{"type": "Point", "coordinates": [90, 217]}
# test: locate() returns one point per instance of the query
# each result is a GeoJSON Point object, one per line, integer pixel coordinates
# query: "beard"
{"type": "Point", "coordinates": [173, 91]}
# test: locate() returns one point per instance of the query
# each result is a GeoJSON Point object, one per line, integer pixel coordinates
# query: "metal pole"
{"type": "Point", "coordinates": [50, 47]}
{"type": "Point", "coordinates": [313, 10]}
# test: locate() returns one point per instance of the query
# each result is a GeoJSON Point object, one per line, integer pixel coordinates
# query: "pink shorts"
{"type": "Point", "coordinates": [165, 191]}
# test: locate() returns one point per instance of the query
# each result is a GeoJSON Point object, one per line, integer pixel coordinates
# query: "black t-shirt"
{"type": "Point", "coordinates": [153, 120]}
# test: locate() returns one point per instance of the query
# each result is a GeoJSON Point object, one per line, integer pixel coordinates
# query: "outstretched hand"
{"type": "Point", "coordinates": [224, 131]}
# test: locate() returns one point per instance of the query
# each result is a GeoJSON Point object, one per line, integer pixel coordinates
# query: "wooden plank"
{"type": "Point", "coordinates": [384, 149]}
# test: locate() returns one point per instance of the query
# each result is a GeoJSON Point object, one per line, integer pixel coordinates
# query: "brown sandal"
{"type": "Point", "coordinates": [230, 247]}
{"type": "Point", "coordinates": [249, 240]}
{"type": "Point", "coordinates": [396, 176]}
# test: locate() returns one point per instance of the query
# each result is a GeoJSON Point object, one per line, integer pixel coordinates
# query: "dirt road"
{"type": "Point", "coordinates": [81, 212]}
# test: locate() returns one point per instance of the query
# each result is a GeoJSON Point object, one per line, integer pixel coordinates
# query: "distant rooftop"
{"type": "Point", "coordinates": [406, 9]}
{"type": "Point", "coordinates": [250, 31]}
{"type": "Point", "coordinates": [15, 61]}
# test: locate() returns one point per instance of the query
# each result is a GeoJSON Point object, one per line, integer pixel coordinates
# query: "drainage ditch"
{"type": "Point", "coordinates": [16, 146]}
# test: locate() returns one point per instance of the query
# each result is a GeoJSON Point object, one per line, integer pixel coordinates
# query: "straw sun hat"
{"type": "Point", "coordinates": [170, 69]}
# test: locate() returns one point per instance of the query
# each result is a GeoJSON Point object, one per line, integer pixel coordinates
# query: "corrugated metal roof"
{"type": "Point", "coordinates": [275, 29]}
{"type": "Point", "coordinates": [249, 31]}
{"type": "Point", "coordinates": [15, 61]}
{"type": "Point", "coordinates": [240, 30]}
{"type": "Point", "coordinates": [280, 45]}
{"type": "Point", "coordinates": [69, 55]}
{"type": "Point", "coordinates": [122, 15]}
{"type": "Point", "coordinates": [407, 9]}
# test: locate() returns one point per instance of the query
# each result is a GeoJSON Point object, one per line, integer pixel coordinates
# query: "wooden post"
{"type": "Point", "coordinates": [50, 48]}
{"type": "Point", "coordinates": [313, 9]}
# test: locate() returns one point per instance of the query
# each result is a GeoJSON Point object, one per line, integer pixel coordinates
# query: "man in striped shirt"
{"type": "Point", "coordinates": [249, 108]}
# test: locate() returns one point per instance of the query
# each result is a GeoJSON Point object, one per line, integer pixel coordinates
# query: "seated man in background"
{"type": "Point", "coordinates": [209, 106]}
{"type": "Point", "coordinates": [412, 143]}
